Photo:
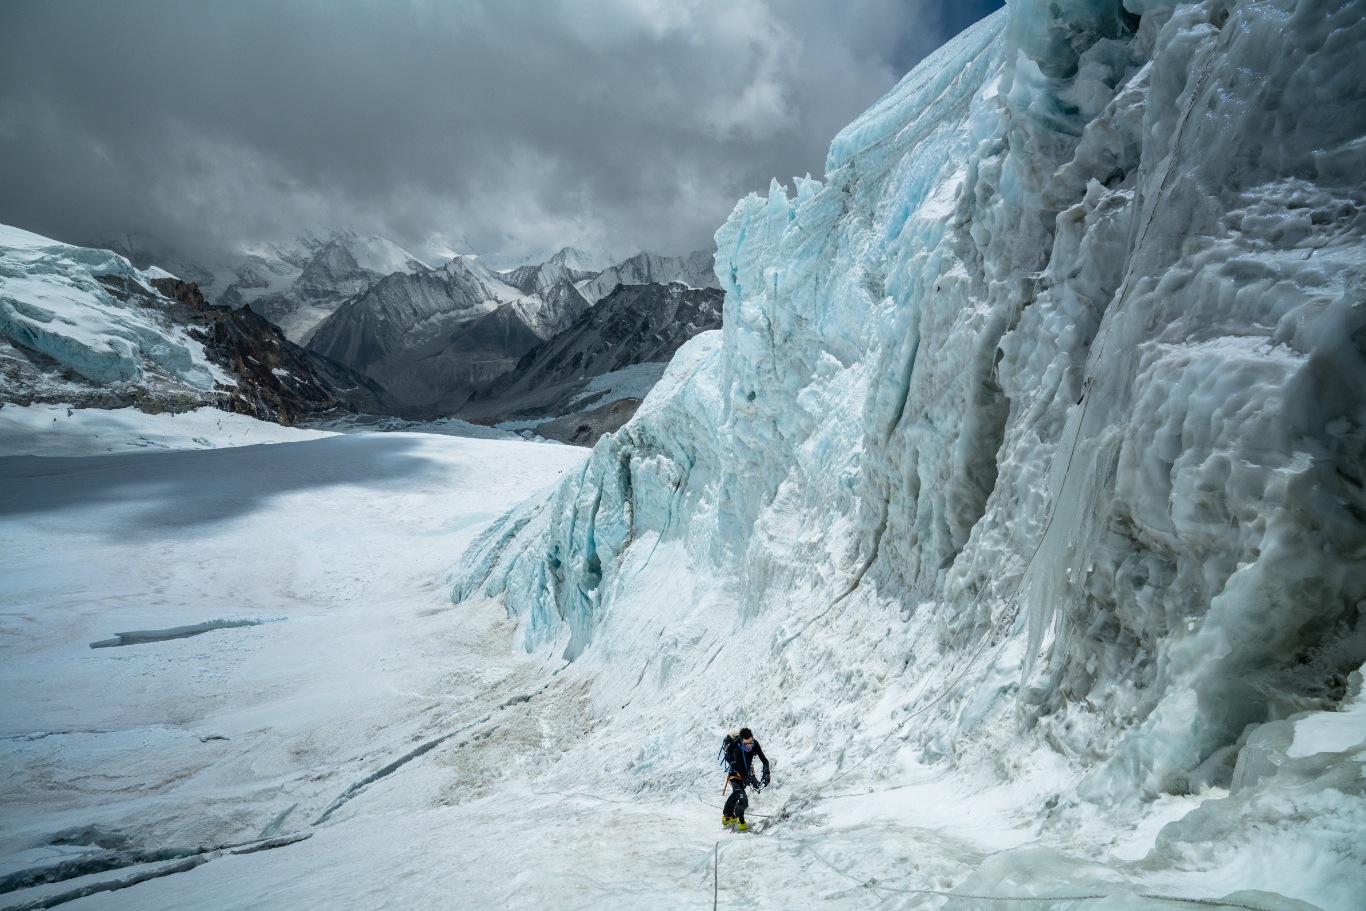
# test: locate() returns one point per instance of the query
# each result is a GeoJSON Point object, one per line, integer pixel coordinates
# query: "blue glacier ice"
{"type": "Point", "coordinates": [64, 302]}
{"type": "Point", "coordinates": [1034, 437]}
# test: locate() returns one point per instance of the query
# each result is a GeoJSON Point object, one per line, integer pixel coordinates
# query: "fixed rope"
{"type": "Point", "coordinates": [715, 874]}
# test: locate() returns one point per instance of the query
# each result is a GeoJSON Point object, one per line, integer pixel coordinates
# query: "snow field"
{"type": "Point", "coordinates": [490, 776]}
{"type": "Point", "coordinates": [60, 430]}
{"type": "Point", "coordinates": [333, 542]}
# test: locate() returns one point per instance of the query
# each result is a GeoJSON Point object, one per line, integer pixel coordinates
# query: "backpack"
{"type": "Point", "coordinates": [726, 743]}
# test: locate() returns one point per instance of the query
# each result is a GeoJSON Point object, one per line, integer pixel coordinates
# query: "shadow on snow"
{"type": "Point", "coordinates": [162, 494]}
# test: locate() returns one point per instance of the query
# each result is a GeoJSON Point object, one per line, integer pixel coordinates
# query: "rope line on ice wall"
{"type": "Point", "coordinates": [1137, 239]}
{"type": "Point", "coordinates": [798, 803]}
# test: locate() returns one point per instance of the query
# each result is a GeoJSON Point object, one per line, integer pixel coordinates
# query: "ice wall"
{"type": "Point", "coordinates": [1044, 413]}
{"type": "Point", "coordinates": [79, 306]}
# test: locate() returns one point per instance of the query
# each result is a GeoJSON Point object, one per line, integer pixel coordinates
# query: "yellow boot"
{"type": "Point", "coordinates": [740, 826]}
{"type": "Point", "coordinates": [727, 820]}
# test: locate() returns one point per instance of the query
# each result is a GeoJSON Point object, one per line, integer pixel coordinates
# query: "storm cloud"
{"type": "Point", "coordinates": [500, 126]}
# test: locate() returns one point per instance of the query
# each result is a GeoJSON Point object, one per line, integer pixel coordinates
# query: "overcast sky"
{"type": "Point", "coordinates": [507, 125]}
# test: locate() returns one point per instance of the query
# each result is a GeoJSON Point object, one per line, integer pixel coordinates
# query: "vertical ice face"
{"type": "Point", "coordinates": [1061, 372]}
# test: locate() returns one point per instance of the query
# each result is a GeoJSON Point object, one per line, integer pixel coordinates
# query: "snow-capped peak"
{"type": "Point", "coordinates": [580, 261]}
{"type": "Point", "coordinates": [383, 257]}
{"type": "Point", "coordinates": [470, 267]}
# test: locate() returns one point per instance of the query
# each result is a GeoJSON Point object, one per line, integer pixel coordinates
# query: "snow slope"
{"type": "Point", "coordinates": [1031, 449]}
{"type": "Point", "coordinates": [566, 265]}
{"type": "Point", "coordinates": [569, 257]}
{"type": "Point", "coordinates": [60, 430]}
{"type": "Point", "coordinates": [325, 647]}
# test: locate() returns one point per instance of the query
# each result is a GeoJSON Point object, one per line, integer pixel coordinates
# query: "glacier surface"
{"type": "Point", "coordinates": [76, 306]}
{"type": "Point", "coordinates": [1033, 441]}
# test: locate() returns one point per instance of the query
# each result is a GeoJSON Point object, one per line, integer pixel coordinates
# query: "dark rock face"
{"type": "Point", "coordinates": [273, 378]}
{"type": "Point", "coordinates": [431, 338]}
{"type": "Point", "coordinates": [187, 293]}
{"type": "Point", "coordinates": [635, 324]}
{"type": "Point", "coordinates": [446, 368]}
{"type": "Point", "coordinates": [366, 330]}
{"type": "Point", "coordinates": [333, 272]}
{"type": "Point", "coordinates": [277, 380]}
{"type": "Point", "coordinates": [585, 428]}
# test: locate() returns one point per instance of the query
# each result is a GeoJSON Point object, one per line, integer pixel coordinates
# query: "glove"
{"type": "Point", "coordinates": [765, 781]}
{"type": "Point", "coordinates": [754, 783]}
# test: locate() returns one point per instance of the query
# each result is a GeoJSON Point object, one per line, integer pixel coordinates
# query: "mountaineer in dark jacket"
{"type": "Point", "coordinates": [741, 751]}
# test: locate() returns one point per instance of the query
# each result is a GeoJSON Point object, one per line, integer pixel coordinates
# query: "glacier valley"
{"type": "Point", "coordinates": [1019, 506]}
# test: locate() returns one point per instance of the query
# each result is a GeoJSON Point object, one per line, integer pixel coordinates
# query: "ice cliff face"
{"type": "Point", "coordinates": [73, 306]}
{"type": "Point", "coordinates": [1042, 419]}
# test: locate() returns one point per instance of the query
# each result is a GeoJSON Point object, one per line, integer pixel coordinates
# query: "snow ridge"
{"type": "Point", "coordinates": [693, 270]}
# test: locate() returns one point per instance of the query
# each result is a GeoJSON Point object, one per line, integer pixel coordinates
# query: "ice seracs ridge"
{"type": "Point", "coordinates": [1050, 400]}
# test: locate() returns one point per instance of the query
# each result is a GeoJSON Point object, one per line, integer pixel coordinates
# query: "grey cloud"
{"type": "Point", "coordinates": [612, 124]}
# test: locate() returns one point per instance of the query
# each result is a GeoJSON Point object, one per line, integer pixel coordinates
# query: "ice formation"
{"type": "Point", "coordinates": [1035, 430]}
{"type": "Point", "coordinates": [72, 304]}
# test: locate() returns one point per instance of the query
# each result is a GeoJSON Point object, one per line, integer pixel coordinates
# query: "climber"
{"type": "Point", "coordinates": [738, 754]}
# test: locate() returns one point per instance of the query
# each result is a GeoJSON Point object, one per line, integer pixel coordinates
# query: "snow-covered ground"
{"type": "Point", "coordinates": [61, 430]}
{"type": "Point", "coordinates": [632, 382]}
{"type": "Point", "coordinates": [378, 423]}
{"type": "Point", "coordinates": [367, 744]}
{"type": "Point", "coordinates": [335, 543]}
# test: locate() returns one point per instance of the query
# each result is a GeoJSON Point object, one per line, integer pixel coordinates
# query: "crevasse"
{"type": "Point", "coordinates": [1042, 417]}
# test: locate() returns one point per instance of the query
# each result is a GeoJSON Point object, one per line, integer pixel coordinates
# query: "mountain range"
{"type": "Point", "coordinates": [433, 338]}
{"type": "Point", "coordinates": [583, 375]}
{"type": "Point", "coordinates": [399, 336]}
{"type": "Point", "coordinates": [83, 327]}
{"type": "Point", "coordinates": [297, 293]}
